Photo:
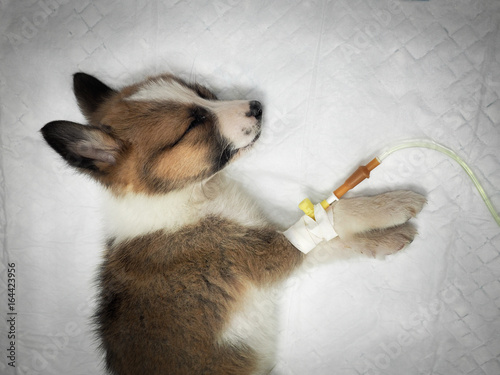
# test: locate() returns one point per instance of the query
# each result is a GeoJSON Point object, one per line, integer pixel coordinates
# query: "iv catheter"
{"type": "Point", "coordinates": [363, 172]}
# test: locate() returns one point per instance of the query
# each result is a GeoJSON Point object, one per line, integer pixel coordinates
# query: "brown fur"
{"type": "Point", "coordinates": [179, 291]}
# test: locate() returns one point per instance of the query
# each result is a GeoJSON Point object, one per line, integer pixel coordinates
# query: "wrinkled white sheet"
{"type": "Point", "coordinates": [340, 81]}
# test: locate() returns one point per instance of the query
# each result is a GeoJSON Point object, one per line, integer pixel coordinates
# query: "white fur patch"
{"type": "Point", "coordinates": [134, 214]}
{"type": "Point", "coordinates": [165, 90]}
{"type": "Point", "coordinates": [233, 122]}
{"type": "Point", "coordinates": [255, 325]}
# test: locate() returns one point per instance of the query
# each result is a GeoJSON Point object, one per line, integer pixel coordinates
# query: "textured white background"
{"type": "Point", "coordinates": [340, 80]}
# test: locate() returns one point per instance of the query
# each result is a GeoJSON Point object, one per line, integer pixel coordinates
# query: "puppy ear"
{"type": "Point", "coordinates": [84, 147]}
{"type": "Point", "coordinates": [90, 93]}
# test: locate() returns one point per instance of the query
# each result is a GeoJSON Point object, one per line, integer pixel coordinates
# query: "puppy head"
{"type": "Point", "coordinates": [153, 137]}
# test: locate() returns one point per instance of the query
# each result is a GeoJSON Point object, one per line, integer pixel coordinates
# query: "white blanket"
{"type": "Point", "coordinates": [340, 80]}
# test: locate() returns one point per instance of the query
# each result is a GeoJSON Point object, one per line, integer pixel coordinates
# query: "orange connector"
{"type": "Point", "coordinates": [359, 175]}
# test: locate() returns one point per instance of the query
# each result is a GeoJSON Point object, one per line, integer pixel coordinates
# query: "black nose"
{"type": "Point", "coordinates": [255, 110]}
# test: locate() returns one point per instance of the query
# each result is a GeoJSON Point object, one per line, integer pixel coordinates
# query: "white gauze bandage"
{"type": "Point", "coordinates": [307, 233]}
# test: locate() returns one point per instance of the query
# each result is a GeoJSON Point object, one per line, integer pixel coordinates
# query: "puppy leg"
{"type": "Point", "coordinates": [358, 215]}
{"type": "Point", "coordinates": [376, 243]}
{"type": "Point", "coordinates": [381, 242]}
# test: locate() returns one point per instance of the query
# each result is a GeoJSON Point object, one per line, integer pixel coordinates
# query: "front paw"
{"type": "Point", "coordinates": [357, 215]}
{"type": "Point", "coordinates": [382, 242]}
{"type": "Point", "coordinates": [401, 206]}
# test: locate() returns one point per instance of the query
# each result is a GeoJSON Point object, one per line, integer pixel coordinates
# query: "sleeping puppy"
{"type": "Point", "coordinates": [190, 263]}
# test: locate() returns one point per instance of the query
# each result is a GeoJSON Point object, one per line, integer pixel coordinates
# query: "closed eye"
{"type": "Point", "coordinates": [199, 116]}
{"type": "Point", "coordinates": [195, 122]}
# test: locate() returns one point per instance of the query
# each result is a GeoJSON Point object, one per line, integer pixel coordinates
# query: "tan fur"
{"type": "Point", "coordinates": [183, 288]}
{"type": "Point", "coordinates": [136, 123]}
{"type": "Point", "coordinates": [364, 214]}
{"type": "Point", "coordinates": [164, 125]}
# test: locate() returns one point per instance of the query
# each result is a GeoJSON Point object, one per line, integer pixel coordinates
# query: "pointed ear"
{"type": "Point", "coordinates": [85, 147]}
{"type": "Point", "coordinates": [90, 93]}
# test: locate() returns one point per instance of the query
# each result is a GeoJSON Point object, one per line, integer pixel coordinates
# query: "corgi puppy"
{"type": "Point", "coordinates": [191, 266]}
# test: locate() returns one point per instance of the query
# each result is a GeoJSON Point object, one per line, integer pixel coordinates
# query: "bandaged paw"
{"type": "Point", "coordinates": [307, 233]}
